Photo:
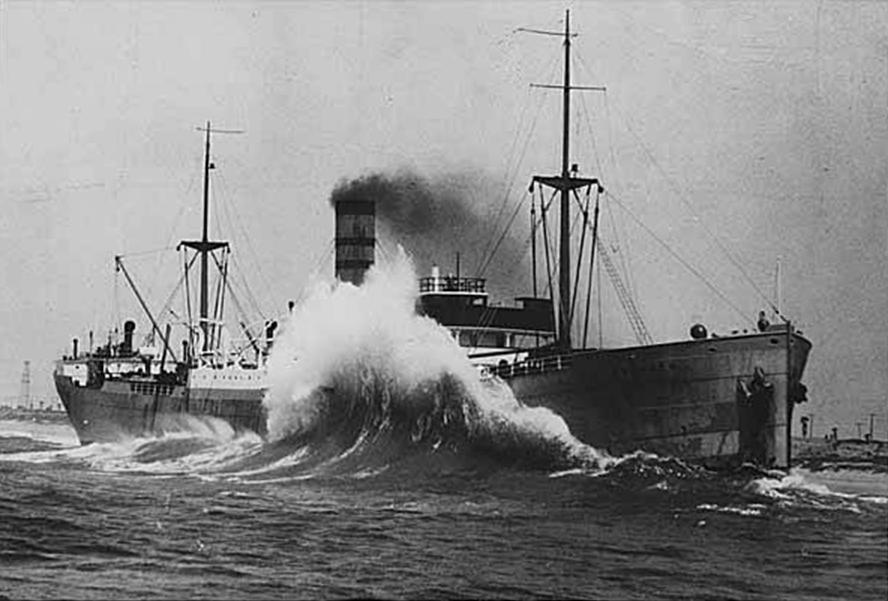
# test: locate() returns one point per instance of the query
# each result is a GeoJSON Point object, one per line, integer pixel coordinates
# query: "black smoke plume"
{"type": "Point", "coordinates": [435, 217]}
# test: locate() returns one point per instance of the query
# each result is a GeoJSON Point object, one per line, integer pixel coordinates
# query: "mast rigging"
{"type": "Point", "coordinates": [565, 184]}
{"type": "Point", "coordinates": [205, 246]}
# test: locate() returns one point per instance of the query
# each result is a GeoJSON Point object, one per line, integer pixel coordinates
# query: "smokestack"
{"type": "Point", "coordinates": [128, 328]}
{"type": "Point", "coordinates": [355, 239]}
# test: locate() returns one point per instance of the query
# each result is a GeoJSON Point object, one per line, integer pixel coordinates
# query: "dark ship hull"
{"type": "Point", "coordinates": [718, 401]}
{"type": "Point", "coordinates": [713, 400]}
{"type": "Point", "coordinates": [122, 390]}
{"type": "Point", "coordinates": [121, 409]}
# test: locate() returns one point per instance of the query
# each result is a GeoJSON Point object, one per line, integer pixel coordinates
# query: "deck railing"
{"type": "Point", "coordinates": [531, 366]}
{"type": "Point", "coordinates": [452, 284]}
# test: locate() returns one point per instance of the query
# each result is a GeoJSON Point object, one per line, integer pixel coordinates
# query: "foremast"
{"type": "Point", "coordinates": [205, 246]}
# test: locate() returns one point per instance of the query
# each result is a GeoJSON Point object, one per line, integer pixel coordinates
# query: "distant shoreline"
{"type": "Point", "coordinates": [819, 453]}
{"type": "Point", "coordinates": [38, 415]}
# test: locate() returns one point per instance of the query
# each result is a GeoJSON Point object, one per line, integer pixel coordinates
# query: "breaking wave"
{"type": "Point", "coordinates": [841, 490]}
{"type": "Point", "coordinates": [359, 384]}
{"type": "Point", "coordinates": [360, 381]}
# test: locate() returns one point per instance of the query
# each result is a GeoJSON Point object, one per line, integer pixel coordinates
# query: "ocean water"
{"type": "Point", "coordinates": [237, 518]}
{"type": "Point", "coordinates": [393, 469]}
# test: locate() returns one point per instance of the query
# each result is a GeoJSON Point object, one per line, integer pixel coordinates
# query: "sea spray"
{"type": "Point", "coordinates": [357, 367]}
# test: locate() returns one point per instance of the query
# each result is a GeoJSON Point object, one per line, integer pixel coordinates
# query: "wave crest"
{"type": "Point", "coordinates": [356, 373]}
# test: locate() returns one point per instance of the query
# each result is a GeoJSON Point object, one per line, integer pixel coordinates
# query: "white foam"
{"type": "Point", "coordinates": [56, 433]}
{"type": "Point", "coordinates": [571, 472]}
{"type": "Point", "coordinates": [858, 486]}
{"type": "Point", "coordinates": [284, 462]}
{"type": "Point", "coordinates": [369, 473]}
{"type": "Point", "coordinates": [751, 510]}
{"type": "Point", "coordinates": [371, 334]}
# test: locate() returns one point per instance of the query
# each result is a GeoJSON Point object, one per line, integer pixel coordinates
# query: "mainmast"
{"type": "Point", "coordinates": [564, 295]}
{"type": "Point", "coordinates": [566, 184]}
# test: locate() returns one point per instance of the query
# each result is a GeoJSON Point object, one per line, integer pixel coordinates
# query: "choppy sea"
{"type": "Point", "coordinates": [236, 518]}
{"type": "Point", "coordinates": [392, 469]}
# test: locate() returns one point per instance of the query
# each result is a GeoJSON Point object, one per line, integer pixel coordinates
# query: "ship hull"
{"type": "Point", "coordinates": [718, 401]}
{"type": "Point", "coordinates": [117, 410]}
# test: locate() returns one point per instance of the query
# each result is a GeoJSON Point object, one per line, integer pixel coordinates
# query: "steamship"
{"type": "Point", "coordinates": [122, 389]}
{"type": "Point", "coordinates": [716, 400]}
{"type": "Point", "coordinates": [719, 401]}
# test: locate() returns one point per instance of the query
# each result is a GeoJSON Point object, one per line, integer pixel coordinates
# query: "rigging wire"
{"type": "Point", "coordinates": [241, 273]}
{"type": "Point", "coordinates": [385, 252]}
{"type": "Point", "coordinates": [221, 281]}
{"type": "Point", "coordinates": [499, 241]}
{"type": "Point", "coordinates": [511, 173]}
{"type": "Point", "coordinates": [618, 234]}
{"type": "Point", "coordinates": [527, 241]}
{"type": "Point", "coordinates": [589, 279]}
{"type": "Point", "coordinates": [488, 254]}
{"type": "Point", "coordinates": [614, 182]}
{"type": "Point", "coordinates": [237, 304]}
{"type": "Point", "coordinates": [186, 270]}
{"type": "Point", "coordinates": [224, 212]}
{"type": "Point", "coordinates": [507, 177]}
{"type": "Point", "coordinates": [681, 196]}
{"type": "Point", "coordinates": [543, 210]}
{"type": "Point", "coordinates": [676, 256]}
{"type": "Point", "coordinates": [241, 228]}
{"type": "Point", "coordinates": [600, 317]}
{"type": "Point", "coordinates": [219, 304]}
{"type": "Point", "coordinates": [142, 253]}
{"type": "Point", "coordinates": [251, 298]}
{"type": "Point", "coordinates": [316, 268]}
{"type": "Point", "coordinates": [183, 206]}
{"type": "Point", "coordinates": [551, 263]}
{"type": "Point", "coordinates": [169, 301]}
{"type": "Point", "coordinates": [581, 63]}
{"type": "Point", "coordinates": [595, 152]}
{"type": "Point", "coordinates": [512, 169]}
{"type": "Point", "coordinates": [623, 257]}
{"type": "Point", "coordinates": [584, 210]}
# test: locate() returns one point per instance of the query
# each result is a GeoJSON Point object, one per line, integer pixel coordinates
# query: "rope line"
{"type": "Point", "coordinates": [681, 196]}
{"type": "Point", "coordinates": [676, 256]}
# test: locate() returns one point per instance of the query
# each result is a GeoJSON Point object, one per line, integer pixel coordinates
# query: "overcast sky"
{"type": "Point", "coordinates": [738, 133]}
